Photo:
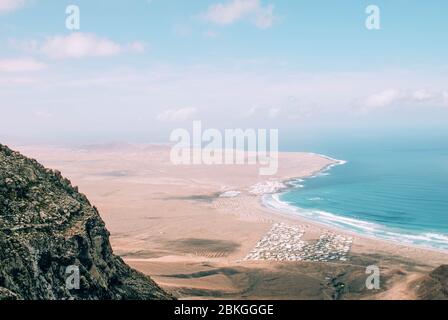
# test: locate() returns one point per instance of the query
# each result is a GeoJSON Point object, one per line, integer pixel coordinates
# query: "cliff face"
{"type": "Point", "coordinates": [49, 232]}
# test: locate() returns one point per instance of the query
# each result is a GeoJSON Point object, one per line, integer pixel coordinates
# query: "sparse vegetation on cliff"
{"type": "Point", "coordinates": [46, 225]}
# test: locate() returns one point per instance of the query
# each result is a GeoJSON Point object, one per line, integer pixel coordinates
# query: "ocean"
{"type": "Point", "coordinates": [391, 185]}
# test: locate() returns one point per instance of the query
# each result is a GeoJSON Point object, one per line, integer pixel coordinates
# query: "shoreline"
{"type": "Point", "coordinates": [171, 223]}
{"type": "Point", "coordinates": [276, 205]}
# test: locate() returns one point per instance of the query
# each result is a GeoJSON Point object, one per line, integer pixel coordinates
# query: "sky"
{"type": "Point", "coordinates": [135, 70]}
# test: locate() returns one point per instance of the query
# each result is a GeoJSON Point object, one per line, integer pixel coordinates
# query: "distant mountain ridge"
{"type": "Point", "coordinates": [47, 230]}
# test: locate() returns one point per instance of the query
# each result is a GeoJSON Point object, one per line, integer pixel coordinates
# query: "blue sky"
{"type": "Point", "coordinates": [141, 68]}
{"type": "Point", "coordinates": [322, 34]}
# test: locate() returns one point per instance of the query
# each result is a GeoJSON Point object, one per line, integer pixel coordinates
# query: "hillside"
{"type": "Point", "coordinates": [48, 231]}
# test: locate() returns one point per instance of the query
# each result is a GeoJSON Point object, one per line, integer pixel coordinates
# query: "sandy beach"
{"type": "Point", "coordinates": [202, 232]}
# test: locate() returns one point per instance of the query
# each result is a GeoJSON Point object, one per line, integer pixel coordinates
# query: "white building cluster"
{"type": "Point", "coordinates": [267, 187]}
{"type": "Point", "coordinates": [284, 243]}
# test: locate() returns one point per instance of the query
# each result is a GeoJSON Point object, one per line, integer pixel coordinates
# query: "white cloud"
{"type": "Point", "coordinates": [11, 5]}
{"type": "Point", "coordinates": [223, 96]}
{"type": "Point", "coordinates": [21, 65]}
{"type": "Point", "coordinates": [422, 95]}
{"type": "Point", "coordinates": [236, 10]}
{"type": "Point", "coordinates": [265, 17]}
{"type": "Point", "coordinates": [390, 97]}
{"type": "Point", "coordinates": [177, 115]}
{"type": "Point", "coordinates": [382, 99]}
{"type": "Point", "coordinates": [137, 47]}
{"type": "Point", "coordinates": [445, 97]}
{"type": "Point", "coordinates": [81, 45]}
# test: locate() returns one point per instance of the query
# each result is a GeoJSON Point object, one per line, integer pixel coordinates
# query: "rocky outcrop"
{"type": "Point", "coordinates": [434, 286]}
{"type": "Point", "coordinates": [51, 236]}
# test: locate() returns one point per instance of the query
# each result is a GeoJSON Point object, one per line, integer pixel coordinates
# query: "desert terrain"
{"type": "Point", "coordinates": [202, 232]}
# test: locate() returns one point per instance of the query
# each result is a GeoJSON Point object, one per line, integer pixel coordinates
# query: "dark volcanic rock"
{"type": "Point", "coordinates": [46, 228]}
{"type": "Point", "coordinates": [434, 286]}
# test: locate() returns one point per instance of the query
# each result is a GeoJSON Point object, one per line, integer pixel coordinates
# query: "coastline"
{"type": "Point", "coordinates": [271, 201]}
{"type": "Point", "coordinates": [172, 223]}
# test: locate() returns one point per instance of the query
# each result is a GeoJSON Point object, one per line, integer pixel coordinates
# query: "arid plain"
{"type": "Point", "coordinates": [202, 232]}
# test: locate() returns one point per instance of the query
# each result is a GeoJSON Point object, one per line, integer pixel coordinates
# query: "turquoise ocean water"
{"type": "Point", "coordinates": [392, 186]}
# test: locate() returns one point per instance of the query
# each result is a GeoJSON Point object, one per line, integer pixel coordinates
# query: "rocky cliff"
{"type": "Point", "coordinates": [53, 243]}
